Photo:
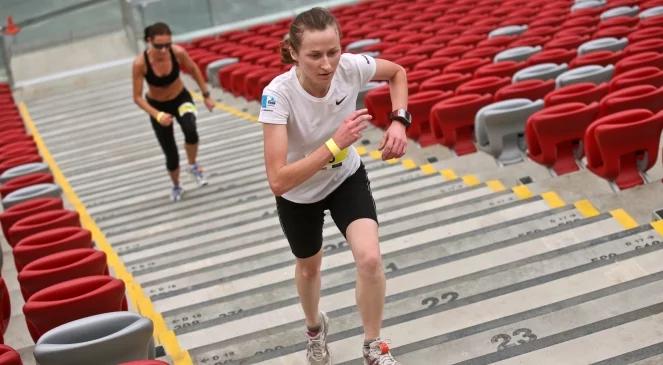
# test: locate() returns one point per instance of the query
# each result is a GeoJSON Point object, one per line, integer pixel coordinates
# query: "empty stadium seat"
{"type": "Point", "coordinates": [499, 127]}
{"type": "Point", "coordinates": [25, 209]}
{"type": "Point", "coordinates": [214, 67]}
{"type": "Point", "coordinates": [645, 33]}
{"type": "Point", "coordinates": [31, 192]}
{"type": "Point", "coordinates": [5, 308]}
{"type": "Point", "coordinates": [445, 82]}
{"type": "Point", "coordinates": [621, 146]}
{"type": "Point", "coordinates": [9, 356]}
{"type": "Point", "coordinates": [511, 30]}
{"type": "Point", "coordinates": [378, 103]}
{"type": "Point", "coordinates": [646, 45]}
{"type": "Point", "coordinates": [641, 76]}
{"type": "Point", "coordinates": [48, 242]}
{"type": "Point", "coordinates": [529, 89]}
{"type": "Point", "coordinates": [483, 52]}
{"type": "Point", "coordinates": [24, 181]}
{"type": "Point", "coordinates": [552, 55]}
{"type": "Point", "coordinates": [73, 299]}
{"type": "Point", "coordinates": [651, 12]}
{"type": "Point", "coordinates": [600, 58]}
{"type": "Point", "coordinates": [602, 44]}
{"type": "Point", "coordinates": [21, 170]}
{"type": "Point", "coordinates": [593, 73]}
{"type": "Point", "coordinates": [554, 135]}
{"type": "Point", "coordinates": [420, 105]}
{"type": "Point", "coordinates": [483, 85]}
{"type": "Point", "coordinates": [499, 69]}
{"type": "Point", "coordinates": [41, 222]}
{"type": "Point", "coordinates": [517, 54]}
{"type": "Point", "coordinates": [630, 11]}
{"type": "Point", "coordinates": [639, 60]}
{"type": "Point", "coordinates": [570, 42]}
{"type": "Point", "coordinates": [544, 71]}
{"type": "Point", "coordinates": [60, 266]}
{"type": "Point", "coordinates": [102, 339]}
{"type": "Point", "coordinates": [435, 63]}
{"type": "Point", "coordinates": [586, 93]}
{"type": "Point", "coordinates": [635, 97]}
{"type": "Point", "coordinates": [466, 65]}
{"type": "Point", "coordinates": [452, 121]}
{"type": "Point", "coordinates": [17, 161]}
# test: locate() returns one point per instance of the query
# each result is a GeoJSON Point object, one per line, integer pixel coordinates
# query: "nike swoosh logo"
{"type": "Point", "coordinates": [338, 102]}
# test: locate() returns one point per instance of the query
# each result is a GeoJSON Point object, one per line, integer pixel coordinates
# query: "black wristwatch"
{"type": "Point", "coordinates": [206, 94]}
{"type": "Point", "coordinates": [402, 116]}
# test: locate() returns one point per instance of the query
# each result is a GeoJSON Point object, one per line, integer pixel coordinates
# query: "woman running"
{"type": "Point", "coordinates": [309, 125]}
{"type": "Point", "coordinates": [168, 99]}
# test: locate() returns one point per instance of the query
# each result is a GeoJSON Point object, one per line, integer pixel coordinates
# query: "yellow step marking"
{"type": "Point", "coordinates": [448, 174]}
{"type": "Point", "coordinates": [495, 185]}
{"type": "Point", "coordinates": [361, 150]}
{"type": "Point", "coordinates": [553, 200]}
{"type": "Point", "coordinates": [586, 208]}
{"type": "Point", "coordinates": [428, 169]}
{"type": "Point", "coordinates": [522, 192]}
{"type": "Point", "coordinates": [624, 218]}
{"type": "Point", "coordinates": [658, 226]}
{"type": "Point", "coordinates": [409, 164]}
{"type": "Point", "coordinates": [376, 155]}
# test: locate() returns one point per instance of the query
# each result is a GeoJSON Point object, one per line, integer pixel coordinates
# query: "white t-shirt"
{"type": "Point", "coordinates": [311, 121]}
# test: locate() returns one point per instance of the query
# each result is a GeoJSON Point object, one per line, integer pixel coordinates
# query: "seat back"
{"type": "Point", "coordinates": [48, 242]}
{"type": "Point", "coordinates": [42, 222]}
{"type": "Point", "coordinates": [629, 11]}
{"type": "Point", "coordinates": [517, 54]}
{"type": "Point", "coordinates": [420, 105]}
{"type": "Point", "coordinates": [544, 71]}
{"type": "Point", "coordinates": [452, 121]}
{"type": "Point", "coordinates": [532, 89]}
{"type": "Point", "coordinates": [603, 44]}
{"type": "Point", "coordinates": [641, 76]}
{"type": "Point", "coordinates": [483, 85]}
{"type": "Point", "coordinates": [586, 93]}
{"type": "Point", "coordinates": [103, 339]}
{"type": "Point", "coordinates": [593, 73]}
{"type": "Point", "coordinates": [635, 97]}
{"type": "Point", "coordinates": [499, 127]}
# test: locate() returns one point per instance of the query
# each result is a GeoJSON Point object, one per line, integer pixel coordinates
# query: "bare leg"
{"type": "Point", "coordinates": [191, 152]}
{"type": "Point", "coordinates": [175, 176]}
{"type": "Point", "coordinates": [362, 236]}
{"type": "Point", "coordinates": [307, 277]}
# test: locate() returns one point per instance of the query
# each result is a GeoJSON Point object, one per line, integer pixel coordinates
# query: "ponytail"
{"type": "Point", "coordinates": [156, 29]}
{"type": "Point", "coordinates": [286, 47]}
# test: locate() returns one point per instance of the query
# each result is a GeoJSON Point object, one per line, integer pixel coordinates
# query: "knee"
{"type": "Point", "coordinates": [172, 163]}
{"type": "Point", "coordinates": [308, 271]}
{"type": "Point", "coordinates": [189, 128]}
{"type": "Point", "coordinates": [369, 264]}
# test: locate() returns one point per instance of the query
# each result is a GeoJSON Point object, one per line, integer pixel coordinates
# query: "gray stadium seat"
{"type": "Point", "coordinates": [620, 11]}
{"type": "Point", "coordinates": [499, 128]}
{"type": "Point", "coordinates": [651, 12]}
{"type": "Point", "coordinates": [544, 71]}
{"type": "Point", "coordinates": [362, 92]}
{"type": "Point", "coordinates": [358, 46]}
{"type": "Point", "coordinates": [595, 74]}
{"type": "Point", "coordinates": [588, 4]}
{"type": "Point", "coordinates": [214, 67]}
{"type": "Point", "coordinates": [517, 54]}
{"type": "Point", "coordinates": [104, 339]}
{"type": "Point", "coordinates": [509, 30]}
{"type": "Point", "coordinates": [31, 192]}
{"type": "Point", "coordinates": [28, 168]}
{"type": "Point", "coordinates": [603, 44]}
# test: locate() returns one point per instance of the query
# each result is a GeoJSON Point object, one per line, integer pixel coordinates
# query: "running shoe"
{"type": "Point", "coordinates": [176, 193]}
{"type": "Point", "coordinates": [378, 353]}
{"type": "Point", "coordinates": [197, 173]}
{"type": "Point", "coordinates": [317, 352]}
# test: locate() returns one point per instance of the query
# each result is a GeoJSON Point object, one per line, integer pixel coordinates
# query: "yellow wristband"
{"type": "Point", "coordinates": [159, 116]}
{"type": "Point", "coordinates": [333, 147]}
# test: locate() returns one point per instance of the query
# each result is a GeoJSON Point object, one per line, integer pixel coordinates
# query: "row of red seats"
{"type": "Point", "coordinates": [61, 276]}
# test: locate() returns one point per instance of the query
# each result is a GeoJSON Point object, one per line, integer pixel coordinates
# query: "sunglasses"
{"type": "Point", "coordinates": [161, 46]}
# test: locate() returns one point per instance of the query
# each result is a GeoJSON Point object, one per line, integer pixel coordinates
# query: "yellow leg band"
{"type": "Point", "coordinates": [333, 147]}
{"type": "Point", "coordinates": [159, 116]}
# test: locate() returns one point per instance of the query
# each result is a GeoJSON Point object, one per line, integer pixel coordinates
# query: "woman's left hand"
{"type": "Point", "coordinates": [394, 142]}
{"type": "Point", "coordinates": [209, 103]}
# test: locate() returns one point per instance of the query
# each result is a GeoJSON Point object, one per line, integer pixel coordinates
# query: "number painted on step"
{"type": "Point", "coordinates": [520, 336]}
{"type": "Point", "coordinates": [445, 298]}
{"type": "Point", "coordinates": [231, 313]}
{"type": "Point", "coordinates": [392, 267]}
{"type": "Point", "coordinates": [333, 247]}
{"type": "Point", "coordinates": [187, 321]}
{"type": "Point", "coordinates": [225, 358]}
{"type": "Point", "coordinates": [609, 256]}
{"type": "Point", "coordinates": [268, 350]}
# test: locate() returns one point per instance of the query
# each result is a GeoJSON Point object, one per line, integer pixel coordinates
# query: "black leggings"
{"type": "Point", "coordinates": [165, 135]}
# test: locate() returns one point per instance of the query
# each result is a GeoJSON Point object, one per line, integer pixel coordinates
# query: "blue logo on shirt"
{"type": "Point", "coordinates": [268, 101]}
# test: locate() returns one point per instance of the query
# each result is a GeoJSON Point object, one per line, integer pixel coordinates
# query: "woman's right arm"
{"type": "Point", "coordinates": [282, 176]}
{"type": "Point", "coordinates": [137, 77]}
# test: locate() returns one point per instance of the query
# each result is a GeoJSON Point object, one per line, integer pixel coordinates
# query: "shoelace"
{"type": "Point", "coordinates": [317, 348]}
{"type": "Point", "coordinates": [381, 352]}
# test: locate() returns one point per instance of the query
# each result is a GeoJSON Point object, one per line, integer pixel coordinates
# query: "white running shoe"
{"type": "Point", "coordinates": [317, 352]}
{"type": "Point", "coordinates": [176, 193]}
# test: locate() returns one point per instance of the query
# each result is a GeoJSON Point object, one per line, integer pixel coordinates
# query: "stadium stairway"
{"type": "Point", "coordinates": [481, 268]}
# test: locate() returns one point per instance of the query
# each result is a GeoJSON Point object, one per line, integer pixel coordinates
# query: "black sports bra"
{"type": "Point", "coordinates": [162, 81]}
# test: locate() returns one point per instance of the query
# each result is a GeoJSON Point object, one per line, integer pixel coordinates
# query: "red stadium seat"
{"type": "Point", "coordinates": [48, 242]}
{"type": "Point", "coordinates": [635, 97]}
{"type": "Point", "coordinates": [59, 267]}
{"type": "Point", "coordinates": [26, 209]}
{"type": "Point", "coordinates": [23, 181]}
{"type": "Point", "coordinates": [16, 161]}
{"type": "Point", "coordinates": [445, 82]}
{"type": "Point", "coordinates": [483, 85]}
{"type": "Point", "coordinates": [5, 308]}
{"type": "Point", "coordinates": [647, 45]}
{"type": "Point", "coordinates": [420, 105]}
{"type": "Point", "coordinates": [20, 149]}
{"type": "Point", "coordinates": [602, 58]}
{"type": "Point", "coordinates": [620, 21]}
{"type": "Point", "coordinates": [435, 63]}
{"type": "Point", "coordinates": [9, 356]}
{"type": "Point", "coordinates": [466, 65]}
{"type": "Point", "coordinates": [621, 146]}
{"type": "Point", "coordinates": [584, 92]}
{"type": "Point", "coordinates": [614, 32]}
{"type": "Point", "coordinates": [500, 69]}
{"type": "Point", "coordinates": [424, 50]}
{"type": "Point", "coordinates": [452, 51]}
{"type": "Point", "coordinates": [499, 41]}
{"type": "Point", "coordinates": [553, 55]}
{"type": "Point", "coordinates": [378, 103]}
{"type": "Point", "coordinates": [409, 61]}
{"type": "Point", "coordinates": [531, 41]}
{"type": "Point", "coordinates": [570, 42]}
{"type": "Point", "coordinates": [532, 89]}
{"type": "Point", "coordinates": [483, 52]}
{"type": "Point", "coordinates": [641, 76]}
{"type": "Point", "coordinates": [421, 75]}
{"type": "Point", "coordinates": [639, 60]}
{"type": "Point", "coordinates": [71, 300]}
{"type": "Point", "coordinates": [452, 121]}
{"type": "Point", "coordinates": [554, 134]}
{"type": "Point", "coordinates": [645, 33]}
{"type": "Point", "coordinates": [41, 222]}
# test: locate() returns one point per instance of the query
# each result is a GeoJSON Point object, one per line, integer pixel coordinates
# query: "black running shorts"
{"type": "Point", "coordinates": [302, 223]}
